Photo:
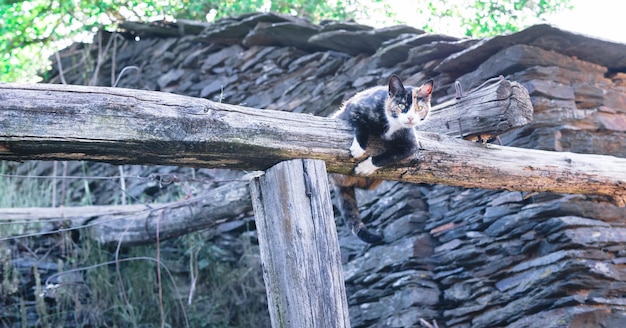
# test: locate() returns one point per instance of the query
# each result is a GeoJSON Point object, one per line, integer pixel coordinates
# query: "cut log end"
{"type": "Point", "coordinates": [519, 110]}
{"type": "Point", "coordinates": [620, 201]}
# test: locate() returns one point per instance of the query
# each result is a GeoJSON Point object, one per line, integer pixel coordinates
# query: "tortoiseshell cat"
{"type": "Point", "coordinates": [389, 114]}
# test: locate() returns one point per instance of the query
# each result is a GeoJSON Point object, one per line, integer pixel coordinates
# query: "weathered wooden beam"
{"type": "Point", "coordinates": [299, 246]}
{"type": "Point", "coordinates": [131, 126]}
{"type": "Point", "coordinates": [137, 224]}
{"type": "Point", "coordinates": [487, 111]}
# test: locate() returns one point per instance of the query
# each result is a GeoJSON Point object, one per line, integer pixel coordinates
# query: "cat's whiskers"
{"type": "Point", "coordinates": [390, 114]}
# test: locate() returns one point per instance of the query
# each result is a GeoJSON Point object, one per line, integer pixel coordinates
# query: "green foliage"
{"type": "Point", "coordinates": [31, 29]}
{"type": "Point", "coordinates": [488, 17]}
{"type": "Point", "coordinates": [27, 27]}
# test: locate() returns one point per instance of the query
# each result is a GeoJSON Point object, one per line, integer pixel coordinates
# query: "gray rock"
{"type": "Point", "coordinates": [284, 34]}
{"type": "Point", "coordinates": [233, 30]}
{"type": "Point", "coordinates": [437, 50]}
{"type": "Point", "coordinates": [543, 36]}
{"type": "Point", "coordinates": [218, 58]}
{"type": "Point", "coordinates": [357, 42]}
{"type": "Point", "coordinates": [170, 77]}
{"type": "Point", "coordinates": [550, 90]}
{"type": "Point", "coordinates": [217, 85]}
{"type": "Point", "coordinates": [396, 51]}
{"type": "Point", "coordinates": [519, 57]}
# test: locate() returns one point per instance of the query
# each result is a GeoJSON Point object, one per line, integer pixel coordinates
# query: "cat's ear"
{"type": "Point", "coordinates": [426, 89]}
{"type": "Point", "coordinates": [395, 85]}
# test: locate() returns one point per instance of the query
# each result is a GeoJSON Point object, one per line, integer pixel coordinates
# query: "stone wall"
{"type": "Point", "coordinates": [464, 257]}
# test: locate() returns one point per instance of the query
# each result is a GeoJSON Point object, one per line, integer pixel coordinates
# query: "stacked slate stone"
{"type": "Point", "coordinates": [462, 257]}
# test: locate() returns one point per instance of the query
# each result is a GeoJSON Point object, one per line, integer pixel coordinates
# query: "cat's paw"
{"type": "Point", "coordinates": [355, 149]}
{"type": "Point", "coordinates": [366, 167]}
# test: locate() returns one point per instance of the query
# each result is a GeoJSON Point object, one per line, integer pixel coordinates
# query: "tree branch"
{"type": "Point", "coordinates": [142, 127]}
{"type": "Point", "coordinates": [137, 224]}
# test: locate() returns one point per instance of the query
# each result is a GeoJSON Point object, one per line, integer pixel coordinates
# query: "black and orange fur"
{"type": "Point", "coordinates": [389, 113]}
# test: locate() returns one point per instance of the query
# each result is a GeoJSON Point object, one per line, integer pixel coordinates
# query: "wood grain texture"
{"type": "Point", "coordinates": [137, 224]}
{"type": "Point", "coordinates": [130, 126]}
{"type": "Point", "coordinates": [496, 107]}
{"type": "Point", "coordinates": [299, 246]}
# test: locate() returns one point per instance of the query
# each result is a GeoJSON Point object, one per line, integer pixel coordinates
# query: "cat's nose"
{"type": "Point", "coordinates": [410, 118]}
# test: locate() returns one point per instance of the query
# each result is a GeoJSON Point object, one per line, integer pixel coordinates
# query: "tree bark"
{"type": "Point", "coordinates": [131, 126]}
{"type": "Point", "coordinates": [137, 224]}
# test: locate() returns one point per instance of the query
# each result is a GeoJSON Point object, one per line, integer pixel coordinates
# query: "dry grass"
{"type": "Point", "coordinates": [197, 280]}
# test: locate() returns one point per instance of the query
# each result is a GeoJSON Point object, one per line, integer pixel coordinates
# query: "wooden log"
{"type": "Point", "coordinates": [219, 205]}
{"type": "Point", "coordinates": [485, 112]}
{"type": "Point", "coordinates": [58, 122]}
{"type": "Point", "coordinates": [132, 126]}
{"type": "Point", "coordinates": [137, 224]}
{"type": "Point", "coordinates": [299, 246]}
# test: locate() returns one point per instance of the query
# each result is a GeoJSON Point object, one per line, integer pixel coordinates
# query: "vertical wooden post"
{"type": "Point", "coordinates": [299, 248]}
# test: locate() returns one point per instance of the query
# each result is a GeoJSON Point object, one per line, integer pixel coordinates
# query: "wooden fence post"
{"type": "Point", "coordinates": [299, 247]}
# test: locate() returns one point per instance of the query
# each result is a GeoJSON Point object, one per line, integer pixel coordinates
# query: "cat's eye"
{"type": "Point", "coordinates": [421, 108]}
{"type": "Point", "coordinates": [401, 106]}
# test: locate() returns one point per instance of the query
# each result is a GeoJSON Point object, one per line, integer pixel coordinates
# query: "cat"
{"type": "Point", "coordinates": [390, 114]}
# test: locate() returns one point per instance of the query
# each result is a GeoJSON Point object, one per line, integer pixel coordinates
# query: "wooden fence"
{"type": "Point", "coordinates": [291, 200]}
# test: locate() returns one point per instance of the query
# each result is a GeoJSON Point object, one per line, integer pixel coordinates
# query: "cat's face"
{"type": "Point", "coordinates": [407, 107]}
